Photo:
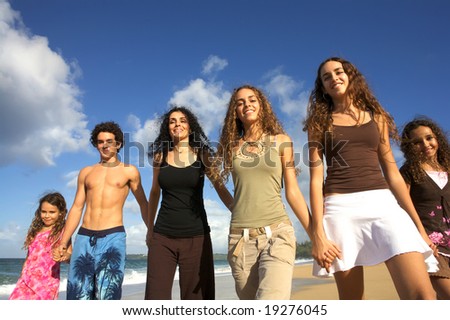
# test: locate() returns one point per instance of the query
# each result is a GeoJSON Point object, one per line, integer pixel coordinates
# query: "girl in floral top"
{"type": "Point", "coordinates": [426, 169]}
{"type": "Point", "coordinates": [40, 273]}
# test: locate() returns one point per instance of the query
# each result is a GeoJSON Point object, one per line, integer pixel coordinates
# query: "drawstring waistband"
{"type": "Point", "coordinates": [96, 234]}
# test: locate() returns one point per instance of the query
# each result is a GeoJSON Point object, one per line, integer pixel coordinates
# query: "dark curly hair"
{"type": "Point", "coordinates": [413, 159]}
{"type": "Point", "coordinates": [163, 143]}
{"type": "Point", "coordinates": [57, 200]}
{"type": "Point", "coordinates": [110, 127]}
{"type": "Point", "coordinates": [233, 130]}
{"type": "Point", "coordinates": [319, 115]}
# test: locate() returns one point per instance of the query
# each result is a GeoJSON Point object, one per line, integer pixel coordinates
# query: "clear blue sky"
{"type": "Point", "coordinates": [67, 65]}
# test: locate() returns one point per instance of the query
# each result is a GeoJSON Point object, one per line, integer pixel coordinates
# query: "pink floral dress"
{"type": "Point", "coordinates": [40, 274]}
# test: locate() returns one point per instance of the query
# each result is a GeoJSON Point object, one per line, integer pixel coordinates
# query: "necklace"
{"type": "Point", "coordinates": [252, 149]}
{"type": "Point", "coordinates": [110, 164]}
{"type": "Point", "coordinates": [180, 151]}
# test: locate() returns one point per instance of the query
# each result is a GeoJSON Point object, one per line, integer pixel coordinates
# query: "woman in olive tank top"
{"type": "Point", "coordinates": [361, 212]}
{"type": "Point", "coordinates": [181, 235]}
{"type": "Point", "coordinates": [260, 157]}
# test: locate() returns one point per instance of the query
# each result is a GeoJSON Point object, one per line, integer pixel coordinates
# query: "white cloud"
{"type": "Point", "coordinates": [287, 93]}
{"type": "Point", "coordinates": [12, 237]}
{"type": "Point", "coordinates": [136, 235]}
{"type": "Point", "coordinates": [213, 64]}
{"type": "Point", "coordinates": [132, 206]}
{"type": "Point", "coordinates": [208, 101]}
{"type": "Point", "coordinates": [219, 222]}
{"type": "Point", "coordinates": [141, 138]}
{"type": "Point", "coordinates": [147, 133]}
{"type": "Point", "coordinates": [41, 115]}
{"type": "Point", "coordinates": [72, 179]}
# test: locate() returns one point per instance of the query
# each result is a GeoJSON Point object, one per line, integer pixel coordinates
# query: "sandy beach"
{"type": "Point", "coordinates": [377, 281]}
{"type": "Point", "coordinates": [378, 286]}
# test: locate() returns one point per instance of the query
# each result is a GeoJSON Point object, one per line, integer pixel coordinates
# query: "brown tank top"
{"type": "Point", "coordinates": [352, 159]}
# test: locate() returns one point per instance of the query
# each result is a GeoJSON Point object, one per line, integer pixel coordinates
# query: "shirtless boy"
{"type": "Point", "coordinates": [98, 259]}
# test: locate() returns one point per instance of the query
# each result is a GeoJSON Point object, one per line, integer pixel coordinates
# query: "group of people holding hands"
{"type": "Point", "coordinates": [363, 209]}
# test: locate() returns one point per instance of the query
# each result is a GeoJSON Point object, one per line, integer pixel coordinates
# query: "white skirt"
{"type": "Point", "coordinates": [370, 227]}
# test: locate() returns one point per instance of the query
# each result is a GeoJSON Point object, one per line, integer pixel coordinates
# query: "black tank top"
{"type": "Point", "coordinates": [182, 212]}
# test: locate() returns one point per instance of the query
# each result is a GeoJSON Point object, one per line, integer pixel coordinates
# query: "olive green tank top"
{"type": "Point", "coordinates": [257, 177]}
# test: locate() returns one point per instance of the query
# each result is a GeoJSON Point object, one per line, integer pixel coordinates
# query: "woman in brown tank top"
{"type": "Point", "coordinates": [357, 221]}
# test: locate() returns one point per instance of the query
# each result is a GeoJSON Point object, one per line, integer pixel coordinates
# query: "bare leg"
{"type": "Point", "coordinates": [350, 284]}
{"type": "Point", "coordinates": [410, 277]}
{"type": "Point", "coordinates": [442, 287]}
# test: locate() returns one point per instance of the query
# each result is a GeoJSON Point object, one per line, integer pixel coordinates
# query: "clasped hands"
{"type": "Point", "coordinates": [61, 254]}
{"type": "Point", "coordinates": [325, 253]}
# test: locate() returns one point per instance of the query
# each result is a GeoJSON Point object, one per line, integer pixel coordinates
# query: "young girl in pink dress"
{"type": "Point", "coordinates": [40, 273]}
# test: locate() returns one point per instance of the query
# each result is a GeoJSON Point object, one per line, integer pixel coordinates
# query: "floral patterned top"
{"type": "Point", "coordinates": [433, 206]}
{"type": "Point", "coordinates": [40, 274]}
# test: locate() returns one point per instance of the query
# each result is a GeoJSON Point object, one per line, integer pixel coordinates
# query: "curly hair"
{"type": "Point", "coordinates": [57, 200]}
{"type": "Point", "coordinates": [320, 106]}
{"type": "Point", "coordinates": [163, 143]}
{"type": "Point", "coordinates": [233, 129]}
{"type": "Point", "coordinates": [110, 127]}
{"type": "Point", "coordinates": [413, 159]}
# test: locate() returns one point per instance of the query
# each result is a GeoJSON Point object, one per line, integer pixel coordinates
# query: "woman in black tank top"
{"type": "Point", "coordinates": [356, 215]}
{"type": "Point", "coordinates": [181, 235]}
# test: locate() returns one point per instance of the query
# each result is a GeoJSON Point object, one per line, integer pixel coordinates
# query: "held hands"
{"type": "Point", "coordinates": [325, 252]}
{"type": "Point", "coordinates": [431, 244]}
{"type": "Point", "coordinates": [61, 254]}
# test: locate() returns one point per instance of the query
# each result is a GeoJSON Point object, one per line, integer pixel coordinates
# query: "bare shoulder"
{"type": "Point", "coordinates": [283, 138]}
{"type": "Point", "coordinates": [379, 120]}
{"type": "Point", "coordinates": [130, 170]}
{"type": "Point", "coordinates": [86, 170]}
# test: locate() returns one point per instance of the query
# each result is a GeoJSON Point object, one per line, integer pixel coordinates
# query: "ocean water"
{"type": "Point", "coordinates": [135, 272]}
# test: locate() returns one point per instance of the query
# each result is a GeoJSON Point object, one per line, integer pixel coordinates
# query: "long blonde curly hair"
{"type": "Point", "coordinates": [320, 107]}
{"type": "Point", "coordinates": [233, 129]}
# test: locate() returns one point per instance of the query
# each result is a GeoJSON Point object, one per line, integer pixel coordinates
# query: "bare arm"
{"type": "Point", "coordinates": [219, 186]}
{"type": "Point", "coordinates": [64, 256]}
{"type": "Point", "coordinates": [138, 192]}
{"type": "Point", "coordinates": [224, 195]}
{"type": "Point", "coordinates": [293, 194]}
{"type": "Point", "coordinates": [153, 201]}
{"type": "Point", "coordinates": [321, 245]}
{"type": "Point", "coordinates": [76, 211]}
{"type": "Point", "coordinates": [395, 180]}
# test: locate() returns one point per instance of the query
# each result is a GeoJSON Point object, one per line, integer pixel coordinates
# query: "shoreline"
{"type": "Point", "coordinates": [377, 280]}
{"type": "Point", "coordinates": [378, 286]}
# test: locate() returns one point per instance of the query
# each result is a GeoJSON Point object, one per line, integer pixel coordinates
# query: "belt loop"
{"type": "Point", "coordinates": [268, 232]}
{"type": "Point", "coordinates": [240, 244]}
{"type": "Point", "coordinates": [246, 235]}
